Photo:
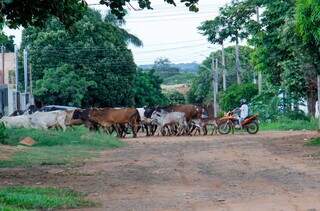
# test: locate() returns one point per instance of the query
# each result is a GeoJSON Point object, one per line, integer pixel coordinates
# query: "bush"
{"type": "Point", "coordinates": [3, 133]}
{"type": "Point", "coordinates": [230, 99]}
{"type": "Point", "coordinates": [176, 98]}
{"type": "Point", "coordinates": [266, 105]}
{"type": "Point", "coordinates": [297, 115]}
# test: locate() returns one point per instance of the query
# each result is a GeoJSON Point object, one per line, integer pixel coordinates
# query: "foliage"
{"type": "Point", "coordinates": [147, 90]}
{"type": "Point", "coordinates": [7, 42]}
{"type": "Point", "coordinates": [314, 142]}
{"type": "Point", "coordinates": [63, 85]}
{"type": "Point", "coordinates": [36, 13]}
{"type": "Point", "coordinates": [231, 23]}
{"type": "Point", "coordinates": [307, 22]}
{"type": "Point", "coordinates": [117, 7]}
{"type": "Point", "coordinates": [97, 52]}
{"type": "Point", "coordinates": [3, 133]}
{"type": "Point", "coordinates": [176, 98]}
{"type": "Point", "coordinates": [266, 105]}
{"type": "Point", "coordinates": [23, 197]}
{"type": "Point", "coordinates": [201, 86]}
{"type": "Point", "coordinates": [230, 99]}
{"type": "Point", "coordinates": [57, 147]}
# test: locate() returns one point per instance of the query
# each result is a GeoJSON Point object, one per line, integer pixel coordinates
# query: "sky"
{"type": "Point", "coordinates": [166, 31]}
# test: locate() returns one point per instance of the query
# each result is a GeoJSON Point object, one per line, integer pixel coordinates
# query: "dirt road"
{"type": "Point", "coordinates": [268, 171]}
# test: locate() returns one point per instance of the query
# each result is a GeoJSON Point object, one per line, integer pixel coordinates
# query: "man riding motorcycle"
{"type": "Point", "coordinates": [243, 110]}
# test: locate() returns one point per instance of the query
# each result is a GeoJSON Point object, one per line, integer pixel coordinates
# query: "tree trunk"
{"type": "Point", "coordinates": [238, 62]}
{"type": "Point", "coordinates": [311, 101]}
{"type": "Point", "coordinates": [224, 81]}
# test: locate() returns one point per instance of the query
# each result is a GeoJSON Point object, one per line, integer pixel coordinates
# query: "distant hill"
{"type": "Point", "coordinates": [183, 67]}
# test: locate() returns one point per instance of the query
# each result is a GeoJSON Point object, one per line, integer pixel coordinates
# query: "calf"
{"type": "Point", "coordinates": [166, 119]}
{"type": "Point", "coordinates": [45, 120]}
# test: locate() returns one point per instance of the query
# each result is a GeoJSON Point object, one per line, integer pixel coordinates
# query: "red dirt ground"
{"type": "Point", "coordinates": [267, 171]}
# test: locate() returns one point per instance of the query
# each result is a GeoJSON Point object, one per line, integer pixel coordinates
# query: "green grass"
{"type": "Point", "coordinates": [314, 142]}
{"type": "Point", "coordinates": [34, 198]}
{"type": "Point", "coordinates": [57, 147]}
{"type": "Point", "coordinates": [287, 124]}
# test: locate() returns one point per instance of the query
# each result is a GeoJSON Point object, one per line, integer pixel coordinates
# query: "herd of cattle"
{"type": "Point", "coordinates": [170, 120]}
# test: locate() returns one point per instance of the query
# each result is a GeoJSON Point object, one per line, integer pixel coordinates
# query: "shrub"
{"type": "Point", "coordinates": [176, 98]}
{"type": "Point", "coordinates": [230, 99]}
{"type": "Point", "coordinates": [3, 133]}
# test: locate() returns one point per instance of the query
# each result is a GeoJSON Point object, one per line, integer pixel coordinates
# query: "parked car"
{"type": "Point", "coordinates": [56, 108]}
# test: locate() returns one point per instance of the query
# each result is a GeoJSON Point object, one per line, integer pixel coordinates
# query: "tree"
{"type": "Point", "coordinates": [230, 99]}
{"type": "Point", "coordinates": [216, 32]}
{"type": "Point", "coordinates": [7, 42]}
{"type": "Point", "coordinates": [95, 48]}
{"type": "Point", "coordinates": [15, 13]}
{"type": "Point", "coordinates": [201, 91]}
{"type": "Point", "coordinates": [35, 12]}
{"type": "Point", "coordinates": [63, 85]}
{"type": "Point", "coordinates": [147, 89]}
{"type": "Point", "coordinates": [282, 56]}
{"type": "Point", "coordinates": [231, 23]}
{"type": "Point", "coordinates": [308, 21]}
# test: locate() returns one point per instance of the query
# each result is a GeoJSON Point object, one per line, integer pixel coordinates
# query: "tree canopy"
{"type": "Point", "coordinates": [15, 13]}
{"type": "Point", "coordinates": [96, 50]}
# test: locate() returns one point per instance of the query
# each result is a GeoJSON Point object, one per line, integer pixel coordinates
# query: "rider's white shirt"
{"type": "Point", "coordinates": [244, 111]}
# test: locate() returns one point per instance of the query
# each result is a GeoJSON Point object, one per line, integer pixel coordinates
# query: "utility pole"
{"type": "Point", "coordinates": [16, 57]}
{"type": "Point", "coordinates": [2, 55]}
{"type": "Point", "coordinates": [25, 68]}
{"type": "Point", "coordinates": [238, 62]}
{"type": "Point", "coordinates": [30, 73]}
{"type": "Point", "coordinates": [214, 87]}
{"type": "Point", "coordinates": [216, 76]}
{"type": "Point", "coordinates": [259, 74]}
{"type": "Point", "coordinates": [224, 82]}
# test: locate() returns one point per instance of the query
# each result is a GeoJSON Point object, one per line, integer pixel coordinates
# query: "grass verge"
{"type": "Point", "coordinates": [287, 124]}
{"type": "Point", "coordinates": [57, 147]}
{"type": "Point", "coordinates": [22, 198]}
{"type": "Point", "coordinates": [314, 142]}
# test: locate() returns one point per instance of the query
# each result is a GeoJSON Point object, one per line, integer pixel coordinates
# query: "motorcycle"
{"type": "Point", "coordinates": [230, 121]}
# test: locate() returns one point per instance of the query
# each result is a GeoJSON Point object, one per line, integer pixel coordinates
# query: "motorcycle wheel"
{"type": "Point", "coordinates": [224, 128]}
{"type": "Point", "coordinates": [252, 128]}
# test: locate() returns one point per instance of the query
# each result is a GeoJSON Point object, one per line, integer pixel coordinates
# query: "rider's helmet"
{"type": "Point", "coordinates": [243, 101]}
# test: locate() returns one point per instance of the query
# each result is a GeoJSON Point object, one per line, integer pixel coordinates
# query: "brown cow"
{"type": "Point", "coordinates": [117, 118]}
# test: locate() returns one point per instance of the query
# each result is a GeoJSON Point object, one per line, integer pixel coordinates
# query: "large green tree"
{"type": "Point", "coordinates": [231, 23]}
{"type": "Point", "coordinates": [95, 50]}
{"type": "Point", "coordinates": [63, 85]}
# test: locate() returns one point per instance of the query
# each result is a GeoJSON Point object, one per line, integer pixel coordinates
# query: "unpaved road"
{"type": "Point", "coordinates": [268, 171]}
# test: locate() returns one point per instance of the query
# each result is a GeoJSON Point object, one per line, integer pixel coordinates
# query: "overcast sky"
{"type": "Point", "coordinates": [166, 31]}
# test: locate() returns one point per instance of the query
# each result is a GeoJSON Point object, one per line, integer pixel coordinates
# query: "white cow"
{"type": "Point", "coordinates": [21, 121]}
{"type": "Point", "coordinates": [167, 119]}
{"type": "Point", "coordinates": [45, 120]}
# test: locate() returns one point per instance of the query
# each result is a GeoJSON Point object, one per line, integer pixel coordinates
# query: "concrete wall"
{"type": "Point", "coordinates": [9, 66]}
